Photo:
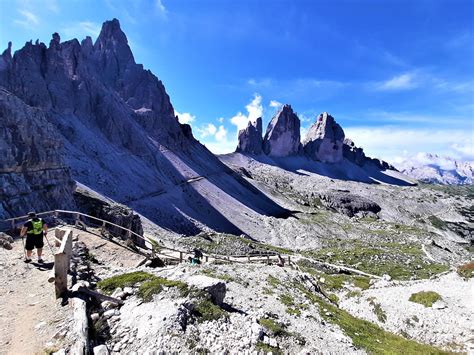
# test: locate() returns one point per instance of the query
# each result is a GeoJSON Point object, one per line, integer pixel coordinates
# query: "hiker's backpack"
{"type": "Point", "coordinates": [37, 226]}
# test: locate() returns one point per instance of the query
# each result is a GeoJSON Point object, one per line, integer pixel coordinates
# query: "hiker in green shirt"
{"type": "Point", "coordinates": [34, 229]}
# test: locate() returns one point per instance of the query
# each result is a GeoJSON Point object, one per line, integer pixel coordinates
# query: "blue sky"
{"type": "Point", "coordinates": [397, 75]}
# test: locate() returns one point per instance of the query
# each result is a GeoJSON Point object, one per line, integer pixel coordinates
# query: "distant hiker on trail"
{"type": "Point", "coordinates": [34, 229]}
{"type": "Point", "coordinates": [196, 259]}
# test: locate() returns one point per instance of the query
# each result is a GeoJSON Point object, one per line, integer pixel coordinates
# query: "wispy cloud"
{"type": "Point", "coordinates": [28, 19]}
{"type": "Point", "coordinates": [208, 130]}
{"type": "Point", "coordinates": [211, 131]}
{"type": "Point", "coordinates": [160, 7]}
{"type": "Point", "coordinates": [254, 111]}
{"type": "Point", "coordinates": [275, 103]}
{"type": "Point", "coordinates": [81, 29]}
{"type": "Point", "coordinates": [405, 81]}
{"type": "Point", "coordinates": [221, 134]}
{"type": "Point", "coordinates": [185, 117]}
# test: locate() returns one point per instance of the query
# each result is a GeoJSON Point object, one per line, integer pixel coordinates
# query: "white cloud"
{"type": "Point", "coordinates": [185, 117]}
{"type": "Point", "coordinates": [221, 134]}
{"type": "Point", "coordinates": [159, 5]}
{"type": "Point", "coordinates": [390, 142]}
{"type": "Point", "coordinates": [240, 121]}
{"type": "Point", "coordinates": [208, 130]}
{"type": "Point", "coordinates": [223, 147]}
{"type": "Point", "coordinates": [275, 103]}
{"type": "Point", "coordinates": [400, 82]}
{"type": "Point", "coordinates": [82, 29]}
{"type": "Point", "coordinates": [220, 119]}
{"type": "Point", "coordinates": [254, 109]}
{"type": "Point", "coordinates": [28, 20]}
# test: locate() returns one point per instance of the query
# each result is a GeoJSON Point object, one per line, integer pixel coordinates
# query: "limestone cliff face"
{"type": "Point", "coordinates": [33, 175]}
{"type": "Point", "coordinates": [324, 140]}
{"type": "Point", "coordinates": [283, 134]}
{"type": "Point", "coordinates": [250, 138]}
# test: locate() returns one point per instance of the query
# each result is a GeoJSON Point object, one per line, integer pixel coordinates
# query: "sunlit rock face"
{"type": "Point", "coordinates": [324, 140]}
{"type": "Point", "coordinates": [283, 134]}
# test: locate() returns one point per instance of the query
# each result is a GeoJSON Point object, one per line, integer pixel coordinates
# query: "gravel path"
{"type": "Point", "coordinates": [31, 319]}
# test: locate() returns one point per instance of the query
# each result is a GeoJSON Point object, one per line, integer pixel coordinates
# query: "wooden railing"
{"type": "Point", "coordinates": [147, 243]}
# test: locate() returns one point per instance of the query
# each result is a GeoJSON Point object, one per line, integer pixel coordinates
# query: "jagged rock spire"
{"type": "Point", "coordinates": [283, 134]}
{"type": "Point", "coordinates": [250, 138]}
{"type": "Point", "coordinates": [324, 140]}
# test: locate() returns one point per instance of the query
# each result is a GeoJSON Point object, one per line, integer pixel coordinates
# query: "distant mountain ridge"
{"type": "Point", "coordinates": [436, 169]}
{"type": "Point", "coordinates": [325, 141]}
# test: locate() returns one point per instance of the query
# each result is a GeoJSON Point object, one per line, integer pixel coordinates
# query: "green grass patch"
{"type": "Point", "coordinates": [354, 293]}
{"type": "Point", "coordinates": [156, 285]}
{"type": "Point", "coordinates": [130, 279]}
{"type": "Point", "coordinates": [265, 348]}
{"type": "Point", "coordinates": [273, 281]}
{"type": "Point", "coordinates": [466, 270]}
{"type": "Point", "coordinates": [207, 311]}
{"type": "Point", "coordinates": [378, 310]}
{"type": "Point", "coordinates": [275, 328]}
{"type": "Point", "coordinates": [368, 335]}
{"type": "Point", "coordinates": [426, 298]}
{"type": "Point", "coordinates": [437, 222]}
{"type": "Point", "coordinates": [395, 259]}
{"type": "Point", "coordinates": [287, 300]}
{"type": "Point", "coordinates": [267, 291]}
{"type": "Point", "coordinates": [293, 311]}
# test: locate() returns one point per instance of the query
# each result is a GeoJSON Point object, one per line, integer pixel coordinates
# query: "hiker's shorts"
{"type": "Point", "coordinates": [34, 241]}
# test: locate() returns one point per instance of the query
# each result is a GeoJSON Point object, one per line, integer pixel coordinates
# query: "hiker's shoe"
{"type": "Point", "coordinates": [40, 261]}
{"type": "Point", "coordinates": [27, 260]}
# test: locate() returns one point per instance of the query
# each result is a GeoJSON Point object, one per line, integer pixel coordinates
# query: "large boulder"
{"type": "Point", "coordinates": [283, 134]}
{"type": "Point", "coordinates": [349, 204]}
{"type": "Point", "coordinates": [324, 140]}
{"type": "Point", "coordinates": [98, 206]}
{"type": "Point", "coordinates": [214, 287]}
{"type": "Point", "coordinates": [250, 138]}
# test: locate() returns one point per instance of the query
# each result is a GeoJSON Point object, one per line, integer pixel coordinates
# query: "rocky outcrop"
{"type": "Point", "coordinates": [350, 204]}
{"type": "Point", "coordinates": [324, 140]}
{"type": "Point", "coordinates": [353, 153]}
{"type": "Point", "coordinates": [283, 134]}
{"type": "Point", "coordinates": [356, 155]}
{"type": "Point", "coordinates": [97, 206]}
{"type": "Point", "coordinates": [250, 138]}
{"type": "Point", "coordinates": [33, 175]}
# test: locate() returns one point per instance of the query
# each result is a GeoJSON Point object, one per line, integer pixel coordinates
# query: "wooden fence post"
{"type": "Point", "coordinates": [81, 328]}
{"type": "Point", "coordinates": [180, 256]}
{"type": "Point", "coordinates": [62, 260]}
{"type": "Point", "coordinates": [268, 259]}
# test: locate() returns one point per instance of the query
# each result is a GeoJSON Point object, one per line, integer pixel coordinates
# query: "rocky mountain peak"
{"type": "Point", "coordinates": [250, 138]}
{"type": "Point", "coordinates": [324, 140]}
{"type": "Point", "coordinates": [55, 41]}
{"type": "Point", "coordinates": [112, 37]}
{"type": "Point", "coordinates": [8, 52]}
{"type": "Point", "coordinates": [282, 137]}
